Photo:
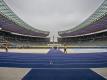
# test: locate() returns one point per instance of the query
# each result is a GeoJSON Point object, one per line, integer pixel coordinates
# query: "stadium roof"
{"type": "Point", "coordinates": [95, 23]}
{"type": "Point", "coordinates": [11, 22]}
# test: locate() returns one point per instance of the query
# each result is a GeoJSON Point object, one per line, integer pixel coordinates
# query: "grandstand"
{"type": "Point", "coordinates": [93, 31]}
{"type": "Point", "coordinates": [21, 41]}
{"type": "Point", "coordinates": [17, 32]}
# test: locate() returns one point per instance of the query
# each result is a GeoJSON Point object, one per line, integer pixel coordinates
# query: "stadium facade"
{"type": "Point", "coordinates": [93, 28]}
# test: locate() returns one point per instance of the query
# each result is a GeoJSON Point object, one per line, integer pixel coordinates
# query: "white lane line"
{"type": "Point", "coordinates": [54, 63]}
{"type": "Point", "coordinates": [53, 60]}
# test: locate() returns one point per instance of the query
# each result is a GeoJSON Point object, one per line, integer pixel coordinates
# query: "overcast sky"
{"type": "Point", "coordinates": [53, 15]}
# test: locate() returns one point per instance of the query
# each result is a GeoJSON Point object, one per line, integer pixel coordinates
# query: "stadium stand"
{"type": "Point", "coordinates": [99, 39]}
{"type": "Point", "coordinates": [21, 41]}
{"type": "Point", "coordinates": [92, 30]}
{"type": "Point", "coordinates": [16, 31]}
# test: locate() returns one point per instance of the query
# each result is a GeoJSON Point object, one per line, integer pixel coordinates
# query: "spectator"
{"type": "Point", "coordinates": [65, 48]}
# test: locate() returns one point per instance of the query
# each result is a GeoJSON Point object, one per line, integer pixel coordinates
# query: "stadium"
{"type": "Point", "coordinates": [27, 53]}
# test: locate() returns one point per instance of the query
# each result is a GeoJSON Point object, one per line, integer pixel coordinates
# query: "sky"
{"type": "Point", "coordinates": [53, 15]}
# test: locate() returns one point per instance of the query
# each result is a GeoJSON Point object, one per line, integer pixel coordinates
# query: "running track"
{"type": "Point", "coordinates": [54, 59]}
{"type": "Point", "coordinates": [54, 64]}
